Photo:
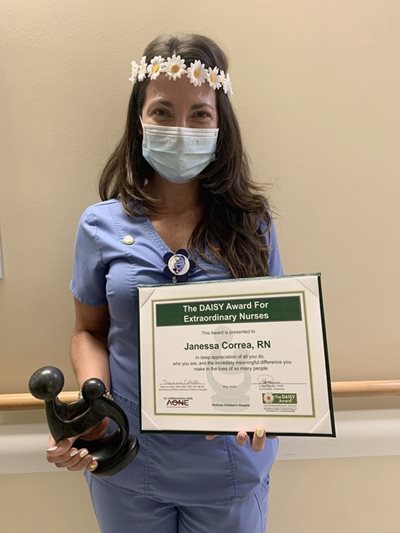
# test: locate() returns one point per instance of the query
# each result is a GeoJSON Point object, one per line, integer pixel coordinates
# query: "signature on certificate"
{"type": "Point", "coordinates": [265, 379]}
{"type": "Point", "coordinates": [182, 382]}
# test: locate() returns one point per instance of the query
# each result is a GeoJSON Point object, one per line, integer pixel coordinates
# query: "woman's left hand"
{"type": "Point", "coordinates": [257, 440]}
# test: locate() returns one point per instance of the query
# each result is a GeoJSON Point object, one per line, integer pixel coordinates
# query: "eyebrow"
{"type": "Point", "coordinates": [169, 104]}
{"type": "Point", "coordinates": [198, 106]}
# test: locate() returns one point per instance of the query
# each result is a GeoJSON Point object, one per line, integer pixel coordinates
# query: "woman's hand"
{"type": "Point", "coordinates": [257, 440]}
{"type": "Point", "coordinates": [63, 454]}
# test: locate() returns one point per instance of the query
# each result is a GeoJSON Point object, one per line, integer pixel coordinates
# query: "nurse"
{"type": "Point", "coordinates": [178, 204]}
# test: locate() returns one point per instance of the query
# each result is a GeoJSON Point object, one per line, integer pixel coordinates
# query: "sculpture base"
{"type": "Point", "coordinates": [120, 460]}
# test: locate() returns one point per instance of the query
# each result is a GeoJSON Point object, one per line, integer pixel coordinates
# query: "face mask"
{"type": "Point", "coordinates": [178, 154]}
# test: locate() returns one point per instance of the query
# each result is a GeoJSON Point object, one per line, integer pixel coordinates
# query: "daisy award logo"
{"type": "Point", "coordinates": [267, 397]}
{"type": "Point", "coordinates": [281, 398]}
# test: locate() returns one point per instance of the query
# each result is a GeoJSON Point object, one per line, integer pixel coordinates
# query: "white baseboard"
{"type": "Point", "coordinates": [368, 433]}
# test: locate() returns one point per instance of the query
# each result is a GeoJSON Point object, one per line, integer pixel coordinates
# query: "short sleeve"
{"type": "Point", "coordinates": [88, 282]}
{"type": "Point", "coordinates": [274, 259]}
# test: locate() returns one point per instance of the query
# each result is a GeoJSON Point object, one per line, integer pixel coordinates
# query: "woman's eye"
{"type": "Point", "coordinates": [161, 113]}
{"type": "Point", "coordinates": [202, 114]}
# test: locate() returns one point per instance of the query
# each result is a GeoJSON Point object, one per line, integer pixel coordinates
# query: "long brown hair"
{"type": "Point", "coordinates": [236, 215]}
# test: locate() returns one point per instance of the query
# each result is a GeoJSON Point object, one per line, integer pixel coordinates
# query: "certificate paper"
{"type": "Point", "coordinates": [228, 356]}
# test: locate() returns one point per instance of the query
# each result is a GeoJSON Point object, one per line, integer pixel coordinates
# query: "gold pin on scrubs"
{"type": "Point", "coordinates": [128, 239]}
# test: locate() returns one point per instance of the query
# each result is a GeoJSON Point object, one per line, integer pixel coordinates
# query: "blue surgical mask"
{"type": "Point", "coordinates": [179, 154]}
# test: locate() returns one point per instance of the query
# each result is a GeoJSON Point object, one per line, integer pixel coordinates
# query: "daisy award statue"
{"type": "Point", "coordinates": [114, 451]}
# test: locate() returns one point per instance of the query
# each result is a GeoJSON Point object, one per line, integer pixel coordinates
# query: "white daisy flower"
{"type": "Point", "coordinates": [155, 68]}
{"type": "Point", "coordinates": [135, 69]}
{"type": "Point", "coordinates": [197, 73]}
{"type": "Point", "coordinates": [142, 69]}
{"type": "Point", "coordinates": [213, 78]}
{"type": "Point", "coordinates": [174, 67]}
{"type": "Point", "coordinates": [226, 85]}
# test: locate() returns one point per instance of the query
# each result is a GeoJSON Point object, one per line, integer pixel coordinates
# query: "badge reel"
{"type": "Point", "coordinates": [179, 266]}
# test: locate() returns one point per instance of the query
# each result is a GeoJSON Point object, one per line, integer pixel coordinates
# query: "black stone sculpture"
{"type": "Point", "coordinates": [114, 451]}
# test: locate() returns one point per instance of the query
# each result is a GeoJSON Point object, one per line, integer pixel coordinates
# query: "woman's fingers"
{"type": "Point", "coordinates": [58, 452]}
{"type": "Point", "coordinates": [80, 460]}
{"type": "Point", "coordinates": [241, 438]}
{"type": "Point", "coordinates": [258, 440]}
{"type": "Point", "coordinates": [63, 455]}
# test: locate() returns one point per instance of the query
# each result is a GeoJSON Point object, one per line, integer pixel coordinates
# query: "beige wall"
{"type": "Point", "coordinates": [316, 90]}
{"type": "Point", "coordinates": [336, 496]}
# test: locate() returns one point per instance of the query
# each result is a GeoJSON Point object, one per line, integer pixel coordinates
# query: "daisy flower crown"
{"type": "Point", "coordinates": [174, 68]}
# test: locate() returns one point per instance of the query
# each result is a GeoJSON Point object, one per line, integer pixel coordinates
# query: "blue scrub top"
{"type": "Point", "coordinates": [182, 468]}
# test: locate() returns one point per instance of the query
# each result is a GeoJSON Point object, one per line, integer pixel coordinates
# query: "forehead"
{"type": "Point", "coordinates": [180, 92]}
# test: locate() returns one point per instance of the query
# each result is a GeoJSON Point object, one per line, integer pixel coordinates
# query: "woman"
{"type": "Point", "coordinates": [178, 180]}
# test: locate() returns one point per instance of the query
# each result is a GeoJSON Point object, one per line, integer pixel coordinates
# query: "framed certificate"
{"type": "Point", "coordinates": [226, 356]}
